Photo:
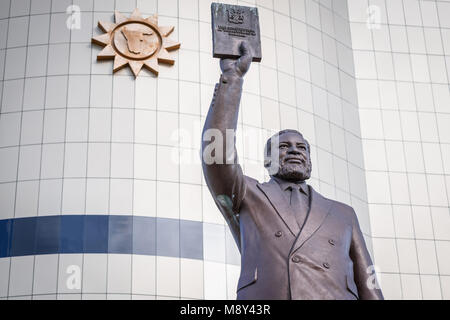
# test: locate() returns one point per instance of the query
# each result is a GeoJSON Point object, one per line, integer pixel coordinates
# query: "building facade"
{"type": "Point", "coordinates": [101, 189]}
{"type": "Point", "coordinates": [402, 67]}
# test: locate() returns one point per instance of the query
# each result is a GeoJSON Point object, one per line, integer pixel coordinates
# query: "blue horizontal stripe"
{"type": "Point", "coordinates": [101, 234]}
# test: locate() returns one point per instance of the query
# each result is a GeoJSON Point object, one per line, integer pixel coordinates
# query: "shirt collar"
{"type": "Point", "coordinates": [284, 185]}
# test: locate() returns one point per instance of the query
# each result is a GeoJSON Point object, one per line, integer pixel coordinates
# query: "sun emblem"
{"type": "Point", "coordinates": [136, 41]}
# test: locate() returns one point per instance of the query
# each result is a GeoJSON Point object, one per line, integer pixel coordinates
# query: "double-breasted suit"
{"type": "Point", "coordinates": [326, 258]}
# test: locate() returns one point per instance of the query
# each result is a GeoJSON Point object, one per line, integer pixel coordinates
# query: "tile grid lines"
{"type": "Point", "coordinates": [110, 163]}
{"type": "Point", "coordinates": [43, 115]}
{"type": "Point", "coordinates": [408, 183]}
{"type": "Point", "coordinates": [259, 5]}
{"type": "Point", "coordinates": [100, 293]}
{"type": "Point", "coordinates": [132, 184]}
{"type": "Point", "coordinates": [269, 38]}
{"type": "Point", "coordinates": [202, 117]}
{"type": "Point", "coordinates": [156, 198]}
{"type": "Point", "coordinates": [438, 135]}
{"type": "Point", "coordinates": [328, 104]}
{"type": "Point", "coordinates": [269, 98]}
{"type": "Point", "coordinates": [423, 157]}
{"type": "Point", "coordinates": [276, 69]}
{"type": "Point", "coordinates": [402, 111]}
{"type": "Point", "coordinates": [206, 21]}
{"type": "Point", "coordinates": [202, 187]}
{"type": "Point", "coordinates": [432, 93]}
{"type": "Point", "coordinates": [400, 52]}
{"type": "Point", "coordinates": [328, 121]}
{"type": "Point", "coordinates": [179, 157]}
{"type": "Point", "coordinates": [446, 273]}
{"type": "Point", "coordinates": [366, 201]}
{"type": "Point", "coordinates": [322, 60]}
{"type": "Point", "coordinates": [442, 43]}
{"type": "Point", "coordinates": [245, 124]}
{"type": "Point", "coordinates": [163, 77]}
{"type": "Point", "coordinates": [15, 188]}
{"type": "Point", "coordinates": [246, 158]}
{"type": "Point", "coordinates": [64, 146]}
{"type": "Point", "coordinates": [4, 64]}
{"type": "Point", "coordinates": [133, 173]}
{"type": "Point", "coordinates": [197, 184]}
{"type": "Point", "coordinates": [20, 139]}
{"type": "Point", "coordinates": [348, 132]}
{"type": "Point", "coordinates": [389, 185]}
{"type": "Point", "coordinates": [87, 147]}
{"type": "Point", "coordinates": [402, 81]}
{"type": "Point", "coordinates": [312, 87]}
{"type": "Point", "coordinates": [41, 150]}
{"type": "Point", "coordinates": [291, 44]}
{"type": "Point", "coordinates": [393, 51]}
{"type": "Point", "coordinates": [51, 11]}
{"type": "Point", "coordinates": [415, 238]}
{"type": "Point", "coordinates": [415, 242]}
{"type": "Point", "coordinates": [252, 159]}
{"type": "Point", "coordinates": [293, 64]}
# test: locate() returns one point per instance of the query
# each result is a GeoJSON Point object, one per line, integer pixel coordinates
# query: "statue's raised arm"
{"type": "Point", "coordinates": [222, 172]}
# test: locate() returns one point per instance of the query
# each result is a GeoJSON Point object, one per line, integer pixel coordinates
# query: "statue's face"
{"type": "Point", "coordinates": [294, 159]}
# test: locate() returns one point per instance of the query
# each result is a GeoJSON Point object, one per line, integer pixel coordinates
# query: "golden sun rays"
{"type": "Point", "coordinates": [136, 41]}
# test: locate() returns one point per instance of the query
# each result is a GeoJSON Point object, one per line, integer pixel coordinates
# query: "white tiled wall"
{"type": "Point", "coordinates": [401, 65]}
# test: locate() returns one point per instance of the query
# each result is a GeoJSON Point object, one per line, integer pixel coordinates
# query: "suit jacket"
{"type": "Point", "coordinates": [327, 259]}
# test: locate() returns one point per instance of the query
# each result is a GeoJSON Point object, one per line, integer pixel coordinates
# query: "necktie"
{"type": "Point", "coordinates": [298, 205]}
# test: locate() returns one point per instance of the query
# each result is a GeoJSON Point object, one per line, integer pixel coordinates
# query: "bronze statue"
{"type": "Point", "coordinates": [294, 243]}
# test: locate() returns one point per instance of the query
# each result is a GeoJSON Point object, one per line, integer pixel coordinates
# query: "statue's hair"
{"type": "Point", "coordinates": [268, 147]}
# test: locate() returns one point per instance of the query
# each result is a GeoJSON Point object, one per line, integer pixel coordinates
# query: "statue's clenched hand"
{"type": "Point", "coordinates": [237, 67]}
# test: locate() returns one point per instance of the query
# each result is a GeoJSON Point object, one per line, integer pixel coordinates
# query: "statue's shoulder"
{"type": "Point", "coordinates": [341, 205]}
{"type": "Point", "coordinates": [345, 210]}
{"type": "Point", "coordinates": [338, 206]}
{"type": "Point", "coordinates": [251, 181]}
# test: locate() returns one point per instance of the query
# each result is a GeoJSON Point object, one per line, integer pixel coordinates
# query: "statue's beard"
{"type": "Point", "coordinates": [294, 171]}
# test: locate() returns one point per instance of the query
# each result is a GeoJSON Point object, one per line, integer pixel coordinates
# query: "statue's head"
{"type": "Point", "coordinates": [287, 156]}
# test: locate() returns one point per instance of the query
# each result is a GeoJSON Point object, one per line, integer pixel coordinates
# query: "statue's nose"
{"type": "Point", "coordinates": [293, 150]}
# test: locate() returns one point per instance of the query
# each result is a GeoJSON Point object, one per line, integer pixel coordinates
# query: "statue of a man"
{"type": "Point", "coordinates": [294, 243]}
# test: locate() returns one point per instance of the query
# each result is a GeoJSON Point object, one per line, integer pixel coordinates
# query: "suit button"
{"type": "Point", "coordinates": [278, 234]}
{"type": "Point", "coordinates": [296, 259]}
{"type": "Point", "coordinates": [326, 265]}
{"type": "Point", "coordinates": [331, 241]}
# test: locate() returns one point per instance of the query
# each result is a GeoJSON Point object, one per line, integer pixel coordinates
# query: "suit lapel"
{"type": "Point", "coordinates": [275, 195]}
{"type": "Point", "coordinates": [319, 210]}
